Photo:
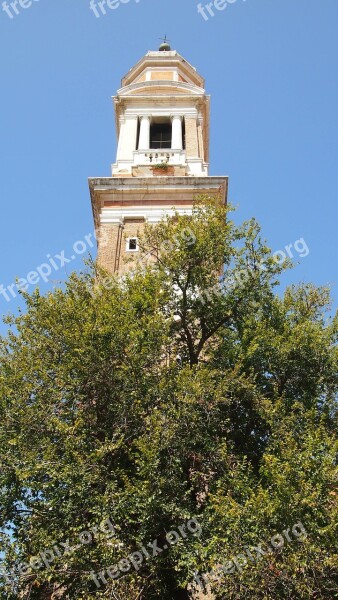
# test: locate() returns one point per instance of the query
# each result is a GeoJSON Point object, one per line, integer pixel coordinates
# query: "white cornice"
{"type": "Point", "coordinates": [152, 215]}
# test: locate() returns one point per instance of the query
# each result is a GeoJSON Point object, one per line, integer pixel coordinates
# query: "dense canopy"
{"type": "Point", "coordinates": [186, 403]}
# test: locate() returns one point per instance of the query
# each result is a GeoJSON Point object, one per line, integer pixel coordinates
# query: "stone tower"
{"type": "Point", "coordinates": [162, 162]}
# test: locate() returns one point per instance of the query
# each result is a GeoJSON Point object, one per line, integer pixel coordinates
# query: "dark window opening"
{"type": "Point", "coordinates": [132, 244]}
{"type": "Point", "coordinates": [160, 135]}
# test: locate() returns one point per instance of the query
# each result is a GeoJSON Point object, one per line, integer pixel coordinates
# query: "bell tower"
{"type": "Point", "coordinates": [162, 161]}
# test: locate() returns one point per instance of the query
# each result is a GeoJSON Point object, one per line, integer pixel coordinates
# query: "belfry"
{"type": "Point", "coordinates": [162, 161]}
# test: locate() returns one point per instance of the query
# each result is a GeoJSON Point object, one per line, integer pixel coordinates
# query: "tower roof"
{"type": "Point", "coordinates": [164, 57]}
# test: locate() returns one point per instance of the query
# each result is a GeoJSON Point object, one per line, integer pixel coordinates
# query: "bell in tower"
{"type": "Point", "coordinates": [162, 162]}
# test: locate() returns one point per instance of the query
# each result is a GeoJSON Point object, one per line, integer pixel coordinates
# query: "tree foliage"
{"type": "Point", "coordinates": [186, 390]}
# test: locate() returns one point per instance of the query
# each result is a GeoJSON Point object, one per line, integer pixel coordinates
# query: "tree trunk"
{"type": "Point", "coordinates": [181, 595]}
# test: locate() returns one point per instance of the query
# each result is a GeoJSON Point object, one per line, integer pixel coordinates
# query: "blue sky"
{"type": "Point", "coordinates": [271, 69]}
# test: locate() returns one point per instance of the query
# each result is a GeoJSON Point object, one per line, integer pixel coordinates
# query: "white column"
{"type": "Point", "coordinates": [144, 142]}
{"type": "Point", "coordinates": [121, 137]}
{"type": "Point", "coordinates": [176, 134]}
{"type": "Point", "coordinates": [127, 137]}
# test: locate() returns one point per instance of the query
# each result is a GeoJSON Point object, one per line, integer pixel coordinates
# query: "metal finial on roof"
{"type": "Point", "coordinates": [164, 47]}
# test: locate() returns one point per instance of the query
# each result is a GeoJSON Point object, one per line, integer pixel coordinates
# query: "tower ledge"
{"type": "Point", "coordinates": [116, 199]}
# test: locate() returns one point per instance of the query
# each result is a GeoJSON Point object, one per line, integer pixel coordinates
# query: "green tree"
{"type": "Point", "coordinates": [186, 392]}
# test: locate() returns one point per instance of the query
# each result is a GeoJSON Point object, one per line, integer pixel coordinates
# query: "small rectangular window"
{"type": "Point", "coordinates": [132, 245]}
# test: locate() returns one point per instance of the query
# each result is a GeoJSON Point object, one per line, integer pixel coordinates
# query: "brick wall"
{"type": "Point", "coordinates": [112, 254]}
{"type": "Point", "coordinates": [191, 137]}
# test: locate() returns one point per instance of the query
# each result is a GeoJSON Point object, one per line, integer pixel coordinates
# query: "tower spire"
{"type": "Point", "coordinates": [164, 47]}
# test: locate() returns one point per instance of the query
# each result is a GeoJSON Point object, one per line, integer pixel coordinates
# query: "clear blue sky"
{"type": "Point", "coordinates": [271, 68]}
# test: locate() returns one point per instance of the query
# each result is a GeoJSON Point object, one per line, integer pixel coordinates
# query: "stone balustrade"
{"type": "Point", "coordinates": [152, 157]}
